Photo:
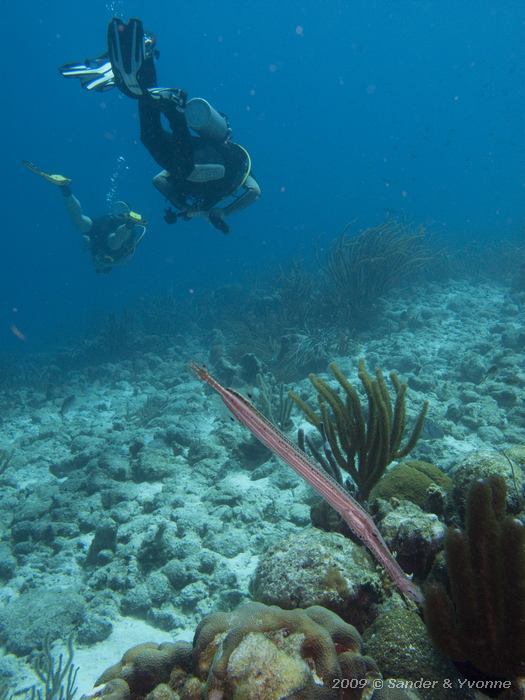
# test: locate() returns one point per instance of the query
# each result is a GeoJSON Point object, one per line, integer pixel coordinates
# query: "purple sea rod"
{"type": "Point", "coordinates": [357, 519]}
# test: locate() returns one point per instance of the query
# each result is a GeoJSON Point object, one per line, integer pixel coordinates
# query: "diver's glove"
{"type": "Point", "coordinates": [216, 218]}
{"type": "Point", "coordinates": [168, 97]}
{"type": "Point", "coordinates": [171, 216]}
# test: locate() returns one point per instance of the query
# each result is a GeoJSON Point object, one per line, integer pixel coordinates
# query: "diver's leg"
{"type": "Point", "coordinates": [189, 169]}
{"type": "Point", "coordinates": [251, 194]}
{"type": "Point", "coordinates": [165, 186]}
{"type": "Point", "coordinates": [162, 183]}
{"type": "Point", "coordinates": [80, 221]}
{"type": "Point", "coordinates": [172, 151]}
{"type": "Point", "coordinates": [182, 146]}
{"type": "Point", "coordinates": [152, 134]}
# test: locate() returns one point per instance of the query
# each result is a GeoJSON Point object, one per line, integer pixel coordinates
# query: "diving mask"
{"type": "Point", "coordinates": [135, 217]}
{"type": "Point", "coordinates": [122, 209]}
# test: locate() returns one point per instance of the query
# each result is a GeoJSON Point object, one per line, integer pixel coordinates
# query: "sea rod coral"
{"type": "Point", "coordinates": [479, 622]}
{"type": "Point", "coordinates": [363, 448]}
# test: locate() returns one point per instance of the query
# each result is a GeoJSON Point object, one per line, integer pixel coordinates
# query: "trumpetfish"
{"type": "Point", "coordinates": [357, 519]}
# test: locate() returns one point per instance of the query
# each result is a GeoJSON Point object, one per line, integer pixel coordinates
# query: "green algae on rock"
{"type": "Point", "coordinates": [415, 481]}
{"type": "Point", "coordinates": [398, 642]}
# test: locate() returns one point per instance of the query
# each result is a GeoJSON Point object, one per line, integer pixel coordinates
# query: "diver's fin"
{"type": "Point", "coordinates": [93, 74]}
{"type": "Point", "coordinates": [60, 180]}
{"type": "Point", "coordinates": [131, 55]}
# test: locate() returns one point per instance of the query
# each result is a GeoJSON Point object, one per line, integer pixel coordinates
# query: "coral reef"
{"type": "Point", "coordinates": [420, 482]}
{"type": "Point", "coordinates": [480, 621]}
{"type": "Point", "coordinates": [257, 652]}
{"type": "Point", "coordinates": [147, 665]}
{"type": "Point", "coordinates": [363, 268]}
{"type": "Point", "coordinates": [164, 520]}
{"type": "Point", "coordinates": [57, 677]}
{"type": "Point", "coordinates": [319, 568]}
{"type": "Point", "coordinates": [483, 464]}
{"type": "Point", "coordinates": [362, 448]}
{"type": "Point", "coordinates": [396, 693]}
{"type": "Point", "coordinates": [47, 614]}
{"type": "Point", "coordinates": [398, 642]}
{"type": "Point", "coordinates": [414, 535]}
{"type": "Point", "coordinates": [272, 401]}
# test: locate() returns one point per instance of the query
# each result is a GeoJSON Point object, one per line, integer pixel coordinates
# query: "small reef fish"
{"type": "Point", "coordinates": [357, 519]}
{"type": "Point", "coordinates": [17, 332]}
{"type": "Point", "coordinates": [67, 403]}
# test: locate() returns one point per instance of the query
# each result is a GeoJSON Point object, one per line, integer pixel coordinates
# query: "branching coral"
{"type": "Point", "coordinates": [274, 403]}
{"type": "Point", "coordinates": [152, 408]}
{"type": "Point", "coordinates": [481, 621]}
{"type": "Point", "coordinates": [363, 268]}
{"type": "Point", "coordinates": [362, 447]}
{"type": "Point", "coordinates": [56, 677]}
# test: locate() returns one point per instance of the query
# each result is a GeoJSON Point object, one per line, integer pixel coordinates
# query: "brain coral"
{"type": "Point", "coordinates": [256, 652]}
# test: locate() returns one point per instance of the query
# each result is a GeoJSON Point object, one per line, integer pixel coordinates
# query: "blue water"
{"type": "Point", "coordinates": [351, 111]}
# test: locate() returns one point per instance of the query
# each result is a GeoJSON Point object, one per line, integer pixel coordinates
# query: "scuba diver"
{"type": "Point", "coordinates": [111, 239]}
{"type": "Point", "coordinates": [204, 172]}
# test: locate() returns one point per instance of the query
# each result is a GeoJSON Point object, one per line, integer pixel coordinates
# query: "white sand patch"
{"type": "Point", "coordinates": [461, 447]}
{"type": "Point", "coordinates": [127, 632]}
{"type": "Point", "coordinates": [242, 482]}
{"type": "Point", "coordinates": [243, 566]}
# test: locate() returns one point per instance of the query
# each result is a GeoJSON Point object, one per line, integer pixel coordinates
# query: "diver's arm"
{"type": "Point", "coordinates": [119, 237]}
{"type": "Point", "coordinates": [123, 234]}
{"type": "Point", "coordinates": [249, 196]}
{"type": "Point", "coordinates": [80, 221]}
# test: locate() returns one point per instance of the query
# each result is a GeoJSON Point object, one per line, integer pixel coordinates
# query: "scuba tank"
{"type": "Point", "coordinates": [205, 120]}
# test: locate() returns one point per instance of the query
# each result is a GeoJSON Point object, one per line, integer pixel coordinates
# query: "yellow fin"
{"type": "Point", "coordinates": [55, 179]}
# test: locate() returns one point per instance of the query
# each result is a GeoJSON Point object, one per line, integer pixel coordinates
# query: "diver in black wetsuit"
{"type": "Point", "coordinates": [200, 172]}
{"type": "Point", "coordinates": [204, 172]}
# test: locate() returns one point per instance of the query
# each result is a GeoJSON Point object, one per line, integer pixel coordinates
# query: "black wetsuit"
{"type": "Point", "coordinates": [177, 151]}
{"type": "Point", "coordinates": [98, 235]}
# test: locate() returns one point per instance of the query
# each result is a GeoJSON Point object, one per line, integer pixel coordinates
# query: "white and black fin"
{"type": "Point", "coordinates": [94, 74]}
{"type": "Point", "coordinates": [131, 56]}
